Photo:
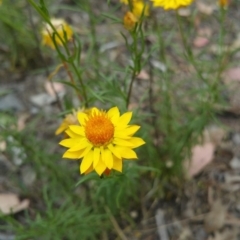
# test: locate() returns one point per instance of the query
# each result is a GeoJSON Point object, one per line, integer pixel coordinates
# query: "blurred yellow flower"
{"type": "Point", "coordinates": [223, 3]}
{"type": "Point", "coordinates": [102, 140]}
{"type": "Point", "coordinates": [138, 7]}
{"type": "Point", "coordinates": [70, 119]}
{"type": "Point", "coordinates": [129, 21]}
{"type": "Point", "coordinates": [171, 4]}
{"type": "Point", "coordinates": [61, 27]}
{"type": "Point", "coordinates": [124, 1]}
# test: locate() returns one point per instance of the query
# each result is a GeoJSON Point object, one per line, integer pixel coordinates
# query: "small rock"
{"type": "Point", "coordinates": [161, 66]}
{"type": "Point", "coordinates": [11, 102]}
{"type": "Point", "coordinates": [28, 175]}
{"type": "Point", "coordinates": [184, 12]}
{"type": "Point", "coordinates": [235, 163]}
{"type": "Point", "coordinates": [42, 99]}
{"type": "Point", "coordinates": [236, 138]}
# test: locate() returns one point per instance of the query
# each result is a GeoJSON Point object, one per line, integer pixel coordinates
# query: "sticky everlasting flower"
{"type": "Point", "coordinates": [129, 21]}
{"type": "Point", "coordinates": [138, 6]}
{"type": "Point", "coordinates": [70, 119]}
{"type": "Point", "coordinates": [102, 140]}
{"type": "Point", "coordinates": [223, 3]}
{"type": "Point", "coordinates": [62, 28]}
{"type": "Point", "coordinates": [124, 1]}
{"type": "Point", "coordinates": [171, 4]}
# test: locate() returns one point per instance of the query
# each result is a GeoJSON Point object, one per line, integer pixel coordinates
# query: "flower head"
{"type": "Point", "coordinates": [223, 3]}
{"type": "Point", "coordinates": [102, 140]}
{"type": "Point", "coordinates": [129, 21]}
{"type": "Point", "coordinates": [124, 1]}
{"type": "Point", "coordinates": [62, 28]}
{"type": "Point", "coordinates": [138, 6]}
{"type": "Point", "coordinates": [171, 4]}
{"type": "Point", "coordinates": [70, 119]}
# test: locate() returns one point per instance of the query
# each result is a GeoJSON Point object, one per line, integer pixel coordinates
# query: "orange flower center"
{"type": "Point", "coordinates": [99, 129]}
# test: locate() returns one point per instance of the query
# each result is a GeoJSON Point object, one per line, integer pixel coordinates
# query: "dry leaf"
{"type": "Point", "coordinates": [200, 42]}
{"type": "Point", "coordinates": [201, 156]}
{"type": "Point", "coordinates": [50, 87]}
{"type": "Point", "coordinates": [143, 75]}
{"type": "Point", "coordinates": [10, 203]}
{"type": "Point", "coordinates": [21, 122]}
{"type": "Point", "coordinates": [203, 36]}
{"type": "Point", "coordinates": [216, 218]}
{"type": "Point", "coordinates": [206, 8]}
{"type": "Point", "coordinates": [232, 74]}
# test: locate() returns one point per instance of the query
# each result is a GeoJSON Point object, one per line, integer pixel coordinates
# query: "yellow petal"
{"type": "Point", "coordinates": [113, 114]}
{"type": "Point", "coordinates": [90, 169]}
{"type": "Point", "coordinates": [69, 142]}
{"type": "Point", "coordinates": [86, 162]}
{"type": "Point", "coordinates": [72, 155]}
{"type": "Point", "coordinates": [61, 128]}
{"type": "Point", "coordinates": [107, 158]}
{"type": "Point", "coordinates": [122, 142]}
{"type": "Point", "coordinates": [100, 168]}
{"type": "Point", "coordinates": [71, 134]}
{"type": "Point", "coordinates": [126, 132]}
{"type": "Point", "coordinates": [82, 118]}
{"type": "Point", "coordinates": [94, 110]}
{"type": "Point", "coordinates": [85, 151]}
{"type": "Point", "coordinates": [112, 149]}
{"type": "Point", "coordinates": [125, 119]}
{"type": "Point", "coordinates": [96, 156]}
{"type": "Point", "coordinates": [127, 153]}
{"type": "Point", "coordinates": [80, 145]}
{"type": "Point", "coordinates": [136, 141]}
{"type": "Point", "coordinates": [117, 164]}
{"type": "Point", "coordinates": [77, 129]}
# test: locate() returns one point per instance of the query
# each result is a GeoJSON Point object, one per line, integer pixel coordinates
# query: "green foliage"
{"type": "Point", "coordinates": [18, 36]}
{"type": "Point", "coordinates": [172, 108]}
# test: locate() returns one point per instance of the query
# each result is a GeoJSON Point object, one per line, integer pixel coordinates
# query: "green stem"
{"type": "Point", "coordinates": [188, 50]}
{"type": "Point", "coordinates": [136, 56]}
{"type": "Point", "coordinates": [47, 20]}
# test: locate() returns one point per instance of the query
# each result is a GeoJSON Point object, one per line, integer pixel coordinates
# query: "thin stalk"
{"type": "Point", "coordinates": [136, 56]}
{"type": "Point", "coordinates": [46, 19]}
{"type": "Point", "coordinates": [188, 50]}
{"type": "Point", "coordinates": [71, 79]}
{"type": "Point", "coordinates": [42, 58]}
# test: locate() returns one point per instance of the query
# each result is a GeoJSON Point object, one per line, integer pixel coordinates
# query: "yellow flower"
{"type": "Point", "coordinates": [223, 3]}
{"type": "Point", "coordinates": [70, 119]}
{"type": "Point", "coordinates": [102, 140]}
{"type": "Point", "coordinates": [171, 4]}
{"type": "Point", "coordinates": [129, 21]}
{"type": "Point", "coordinates": [124, 1]}
{"type": "Point", "coordinates": [138, 7]}
{"type": "Point", "coordinates": [61, 27]}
